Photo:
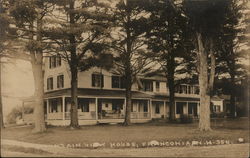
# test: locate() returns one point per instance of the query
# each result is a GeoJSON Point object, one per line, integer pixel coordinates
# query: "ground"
{"type": "Point", "coordinates": [230, 129]}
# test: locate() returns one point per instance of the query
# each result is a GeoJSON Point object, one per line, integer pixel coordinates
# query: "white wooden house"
{"type": "Point", "coordinates": [101, 96]}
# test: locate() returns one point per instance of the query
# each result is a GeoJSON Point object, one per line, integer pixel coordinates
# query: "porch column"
{"type": "Point", "coordinates": [124, 106]}
{"type": "Point", "coordinates": [96, 109]}
{"type": "Point", "coordinates": [175, 109]}
{"type": "Point", "coordinates": [198, 109]}
{"type": "Point", "coordinates": [187, 108]}
{"type": "Point", "coordinates": [47, 103]}
{"type": "Point", "coordinates": [150, 104]}
{"type": "Point", "coordinates": [164, 109]}
{"type": "Point", "coordinates": [63, 107]}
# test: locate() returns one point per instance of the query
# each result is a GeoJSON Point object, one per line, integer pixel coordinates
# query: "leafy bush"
{"type": "Point", "coordinates": [218, 115]}
{"type": "Point", "coordinates": [184, 118]}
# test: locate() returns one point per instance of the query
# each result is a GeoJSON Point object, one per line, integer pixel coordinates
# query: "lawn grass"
{"type": "Point", "coordinates": [24, 149]}
{"type": "Point", "coordinates": [230, 129]}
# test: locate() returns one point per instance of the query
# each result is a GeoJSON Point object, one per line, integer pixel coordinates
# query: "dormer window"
{"type": "Point", "coordinates": [147, 85]}
{"type": "Point", "coordinates": [54, 61]}
{"type": "Point", "coordinates": [97, 80]}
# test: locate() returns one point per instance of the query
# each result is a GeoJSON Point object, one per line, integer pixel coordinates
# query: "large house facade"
{"type": "Point", "coordinates": [101, 96]}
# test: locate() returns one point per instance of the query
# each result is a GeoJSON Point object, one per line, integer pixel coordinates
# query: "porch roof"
{"type": "Point", "coordinates": [177, 98]}
{"type": "Point", "coordinates": [89, 92]}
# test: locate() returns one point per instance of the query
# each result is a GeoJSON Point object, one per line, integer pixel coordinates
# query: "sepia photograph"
{"type": "Point", "coordinates": [124, 78]}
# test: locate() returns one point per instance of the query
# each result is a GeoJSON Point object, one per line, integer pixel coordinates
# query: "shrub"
{"type": "Point", "coordinates": [17, 112]}
{"type": "Point", "coordinates": [218, 115]}
{"type": "Point", "coordinates": [184, 118]}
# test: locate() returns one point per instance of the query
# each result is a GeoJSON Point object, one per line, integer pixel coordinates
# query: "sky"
{"type": "Point", "coordinates": [17, 83]}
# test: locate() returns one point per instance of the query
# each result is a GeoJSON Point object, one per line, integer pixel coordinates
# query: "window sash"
{"type": "Point", "coordinates": [54, 61]}
{"type": "Point", "coordinates": [60, 81]}
{"type": "Point", "coordinates": [147, 85]}
{"type": "Point", "coordinates": [157, 86]}
{"type": "Point", "coordinates": [157, 108]}
{"type": "Point", "coordinates": [50, 83]}
{"type": "Point", "coordinates": [97, 80]}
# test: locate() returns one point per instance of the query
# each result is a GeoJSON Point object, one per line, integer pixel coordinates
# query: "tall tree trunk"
{"type": "Point", "coordinates": [74, 103]}
{"type": "Point", "coordinates": [37, 67]}
{"type": "Point", "coordinates": [171, 87]}
{"type": "Point", "coordinates": [39, 92]}
{"type": "Point", "coordinates": [204, 121]}
{"type": "Point", "coordinates": [212, 74]}
{"type": "Point", "coordinates": [212, 71]}
{"type": "Point", "coordinates": [232, 95]}
{"type": "Point", "coordinates": [74, 72]}
{"type": "Point", "coordinates": [128, 71]}
{"type": "Point", "coordinates": [127, 119]}
{"type": "Point", "coordinates": [1, 103]}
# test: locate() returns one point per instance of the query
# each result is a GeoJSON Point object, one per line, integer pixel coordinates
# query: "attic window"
{"type": "Point", "coordinates": [54, 61]}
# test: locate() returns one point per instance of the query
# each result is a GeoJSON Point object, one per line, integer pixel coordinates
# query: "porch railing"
{"type": "Point", "coordinates": [82, 115]}
{"type": "Point", "coordinates": [140, 115]}
{"type": "Point", "coordinates": [110, 114]}
{"type": "Point", "coordinates": [55, 116]}
{"type": "Point", "coordinates": [92, 115]}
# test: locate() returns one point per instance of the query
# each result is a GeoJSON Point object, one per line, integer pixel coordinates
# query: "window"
{"type": "Point", "coordinates": [196, 90]}
{"type": "Point", "coordinates": [83, 104]}
{"type": "Point", "coordinates": [190, 108]}
{"type": "Point", "coordinates": [216, 108]}
{"type": "Point", "coordinates": [58, 61]}
{"type": "Point", "coordinates": [183, 89]}
{"type": "Point", "coordinates": [179, 108]}
{"type": "Point", "coordinates": [157, 108]}
{"type": "Point", "coordinates": [147, 85]}
{"type": "Point", "coordinates": [97, 80]}
{"type": "Point", "coordinates": [145, 107]}
{"type": "Point", "coordinates": [53, 105]}
{"type": "Point", "coordinates": [54, 61]}
{"type": "Point", "coordinates": [157, 86]}
{"type": "Point", "coordinates": [60, 81]}
{"type": "Point", "coordinates": [117, 82]}
{"type": "Point", "coordinates": [50, 83]}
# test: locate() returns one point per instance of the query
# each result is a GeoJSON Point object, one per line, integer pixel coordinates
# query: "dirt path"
{"type": "Point", "coordinates": [232, 150]}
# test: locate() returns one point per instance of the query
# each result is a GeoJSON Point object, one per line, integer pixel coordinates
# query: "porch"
{"type": "Point", "coordinates": [95, 109]}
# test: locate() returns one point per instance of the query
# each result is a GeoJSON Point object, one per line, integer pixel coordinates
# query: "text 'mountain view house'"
{"type": "Point", "coordinates": [101, 96]}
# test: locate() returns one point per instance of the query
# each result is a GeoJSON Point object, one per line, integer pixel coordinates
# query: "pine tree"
{"type": "Point", "coordinates": [78, 34]}
{"type": "Point", "coordinates": [128, 42]}
{"type": "Point", "coordinates": [28, 16]}
{"type": "Point", "coordinates": [168, 39]}
{"type": "Point", "coordinates": [206, 19]}
{"type": "Point", "coordinates": [230, 51]}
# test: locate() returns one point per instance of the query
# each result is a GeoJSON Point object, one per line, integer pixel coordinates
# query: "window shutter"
{"type": "Point", "coordinates": [62, 81]}
{"type": "Point", "coordinates": [93, 80]}
{"type": "Point", "coordinates": [102, 80]}
{"type": "Point", "coordinates": [113, 81]}
{"type": "Point", "coordinates": [58, 81]}
{"type": "Point", "coordinates": [52, 83]}
{"type": "Point", "coordinates": [47, 83]}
